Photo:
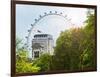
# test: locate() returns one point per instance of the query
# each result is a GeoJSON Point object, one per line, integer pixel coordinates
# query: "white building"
{"type": "Point", "coordinates": [42, 43]}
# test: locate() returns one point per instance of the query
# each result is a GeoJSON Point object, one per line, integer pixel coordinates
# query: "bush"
{"type": "Point", "coordinates": [43, 62]}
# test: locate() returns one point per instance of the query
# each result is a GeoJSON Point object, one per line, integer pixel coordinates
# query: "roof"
{"type": "Point", "coordinates": [41, 35]}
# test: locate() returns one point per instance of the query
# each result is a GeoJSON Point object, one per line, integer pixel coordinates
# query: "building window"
{"type": "Point", "coordinates": [36, 54]}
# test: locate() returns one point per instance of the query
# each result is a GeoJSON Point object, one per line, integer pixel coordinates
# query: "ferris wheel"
{"type": "Point", "coordinates": [32, 30]}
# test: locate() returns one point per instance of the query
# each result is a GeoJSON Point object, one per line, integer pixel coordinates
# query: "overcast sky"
{"type": "Point", "coordinates": [25, 15]}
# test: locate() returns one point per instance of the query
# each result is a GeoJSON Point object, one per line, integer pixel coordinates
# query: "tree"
{"type": "Point", "coordinates": [43, 62]}
{"type": "Point", "coordinates": [18, 43]}
{"type": "Point", "coordinates": [75, 48]}
{"type": "Point", "coordinates": [67, 53]}
{"type": "Point", "coordinates": [88, 56]}
{"type": "Point", "coordinates": [22, 62]}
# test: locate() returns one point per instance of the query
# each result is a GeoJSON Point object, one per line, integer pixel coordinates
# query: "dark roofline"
{"type": "Point", "coordinates": [39, 35]}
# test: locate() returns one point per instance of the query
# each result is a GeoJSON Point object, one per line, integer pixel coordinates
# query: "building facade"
{"type": "Point", "coordinates": [42, 43]}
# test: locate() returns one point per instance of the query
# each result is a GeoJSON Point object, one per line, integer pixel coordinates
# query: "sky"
{"type": "Point", "coordinates": [52, 24]}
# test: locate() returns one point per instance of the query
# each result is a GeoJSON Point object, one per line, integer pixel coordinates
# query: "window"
{"type": "Point", "coordinates": [36, 54]}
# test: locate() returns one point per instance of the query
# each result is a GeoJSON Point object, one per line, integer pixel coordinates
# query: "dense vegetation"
{"type": "Point", "coordinates": [75, 50]}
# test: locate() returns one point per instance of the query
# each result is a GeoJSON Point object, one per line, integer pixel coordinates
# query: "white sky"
{"type": "Point", "coordinates": [25, 15]}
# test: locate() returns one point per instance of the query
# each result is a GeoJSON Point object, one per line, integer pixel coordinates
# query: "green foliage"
{"type": "Point", "coordinates": [23, 65]}
{"type": "Point", "coordinates": [43, 62]}
{"type": "Point", "coordinates": [76, 47]}
{"type": "Point", "coordinates": [67, 53]}
{"type": "Point", "coordinates": [89, 52]}
{"type": "Point", "coordinates": [18, 43]}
